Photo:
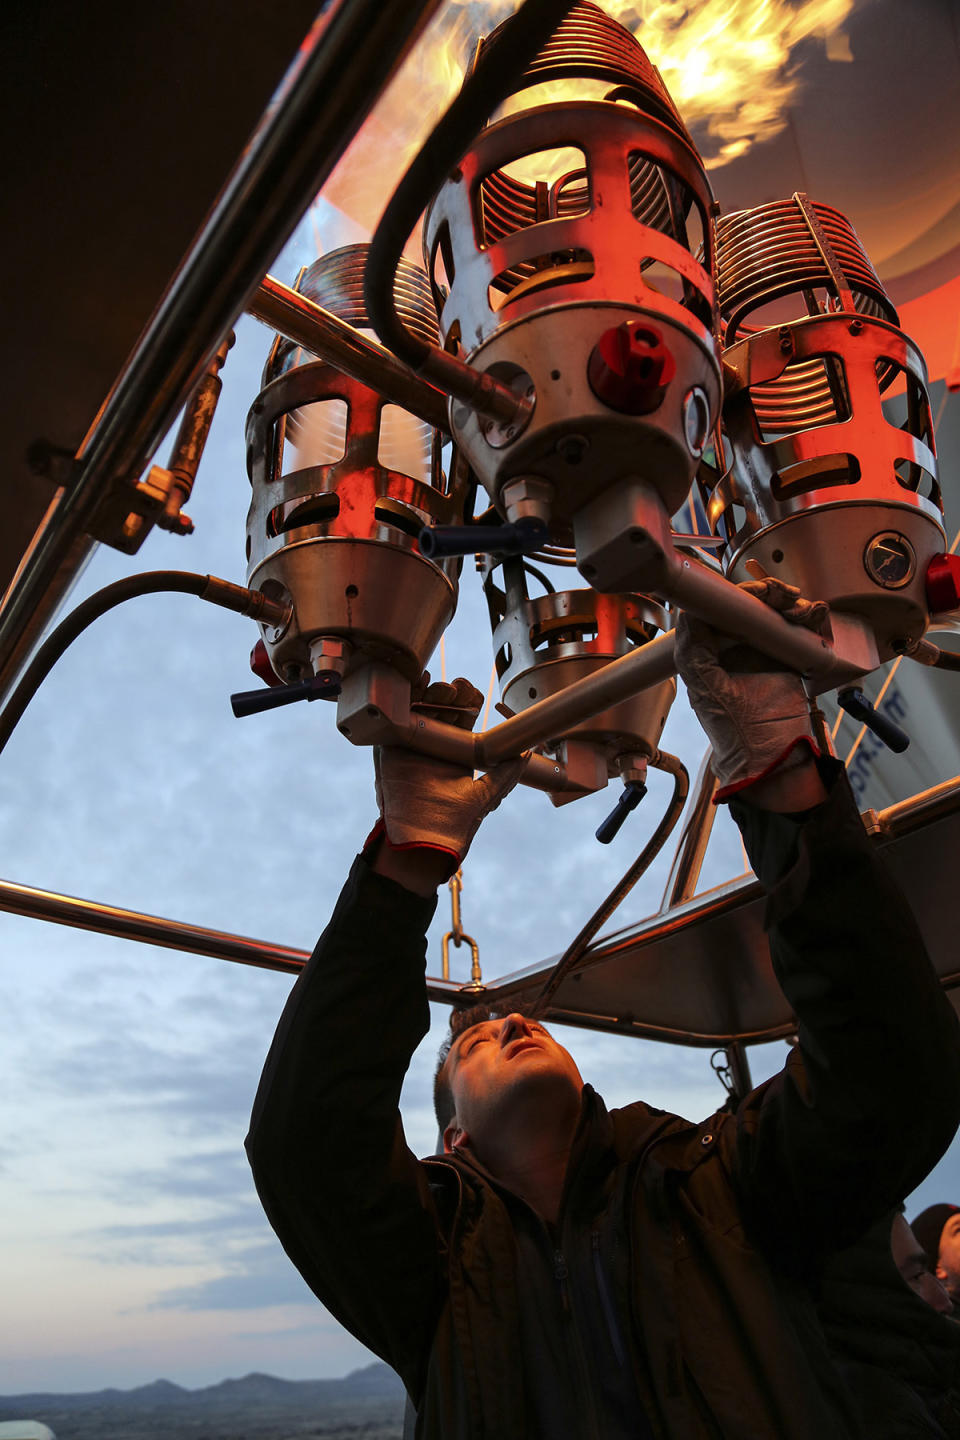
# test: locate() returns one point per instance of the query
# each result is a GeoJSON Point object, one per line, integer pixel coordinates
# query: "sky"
{"type": "Point", "coordinates": [133, 1245]}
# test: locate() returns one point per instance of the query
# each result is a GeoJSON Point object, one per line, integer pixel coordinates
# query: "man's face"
{"type": "Point", "coordinates": [499, 1066]}
{"type": "Point", "coordinates": [911, 1261]}
{"type": "Point", "coordinates": [948, 1259]}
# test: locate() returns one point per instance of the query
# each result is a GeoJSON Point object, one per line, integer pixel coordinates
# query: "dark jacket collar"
{"type": "Point", "coordinates": [602, 1139]}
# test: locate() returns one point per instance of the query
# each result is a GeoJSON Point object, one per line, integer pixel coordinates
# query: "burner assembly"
{"type": "Point", "coordinates": [342, 484]}
{"type": "Point", "coordinates": [823, 490]}
{"type": "Point", "coordinates": [585, 294]}
{"type": "Point", "coordinates": [559, 355]}
{"type": "Point", "coordinates": [547, 642]}
{"type": "Point", "coordinates": [605, 345]}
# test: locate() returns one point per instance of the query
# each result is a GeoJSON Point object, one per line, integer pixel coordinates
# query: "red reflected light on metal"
{"type": "Point", "coordinates": [630, 368]}
{"type": "Point", "coordinates": [261, 667]}
{"type": "Point", "coordinates": [943, 583]}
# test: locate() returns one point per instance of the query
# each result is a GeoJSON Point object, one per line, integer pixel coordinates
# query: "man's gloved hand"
{"type": "Point", "coordinates": [754, 712]}
{"type": "Point", "coordinates": [426, 803]}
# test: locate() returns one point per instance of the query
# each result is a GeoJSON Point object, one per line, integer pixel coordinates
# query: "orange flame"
{"type": "Point", "coordinates": [730, 66]}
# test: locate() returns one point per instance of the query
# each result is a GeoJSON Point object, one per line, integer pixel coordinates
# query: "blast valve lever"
{"type": "Point", "coordinates": [633, 793]}
{"type": "Point", "coordinates": [520, 537]}
{"type": "Point", "coordinates": [325, 686]}
{"type": "Point", "coordinates": [856, 704]}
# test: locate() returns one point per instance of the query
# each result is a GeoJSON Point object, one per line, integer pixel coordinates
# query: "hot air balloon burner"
{"type": "Point", "coordinates": [571, 257]}
{"type": "Point", "coordinates": [544, 642]}
{"type": "Point", "coordinates": [822, 487]}
{"type": "Point", "coordinates": [342, 485]}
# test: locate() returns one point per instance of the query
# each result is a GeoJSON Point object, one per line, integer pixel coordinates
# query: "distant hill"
{"type": "Point", "coordinates": [372, 1382]}
{"type": "Point", "coordinates": [256, 1407]}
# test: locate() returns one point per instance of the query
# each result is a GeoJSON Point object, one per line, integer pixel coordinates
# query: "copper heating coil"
{"type": "Point", "coordinates": [335, 281]}
{"type": "Point", "coordinates": [776, 250]}
{"type": "Point", "coordinates": [588, 44]}
{"type": "Point", "coordinates": [508, 205]}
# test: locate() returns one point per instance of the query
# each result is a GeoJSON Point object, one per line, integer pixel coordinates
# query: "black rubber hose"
{"type": "Point", "coordinates": [184, 582]}
{"type": "Point", "coordinates": [502, 63]}
{"type": "Point", "coordinates": [575, 951]}
{"type": "Point", "coordinates": [947, 660]}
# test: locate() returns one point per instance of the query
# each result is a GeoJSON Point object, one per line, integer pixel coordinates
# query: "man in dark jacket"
{"type": "Point", "coordinates": [565, 1271]}
{"type": "Point", "coordinates": [887, 1317]}
{"type": "Point", "coordinates": [938, 1230]}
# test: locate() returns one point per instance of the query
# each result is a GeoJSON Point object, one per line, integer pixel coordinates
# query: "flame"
{"type": "Point", "coordinates": [731, 66]}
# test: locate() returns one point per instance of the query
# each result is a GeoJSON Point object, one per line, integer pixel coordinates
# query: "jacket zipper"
{"type": "Point", "coordinates": [675, 1389]}
{"type": "Point", "coordinates": [580, 1369]}
{"type": "Point", "coordinates": [613, 1330]}
{"type": "Point", "coordinates": [561, 1274]}
{"type": "Point", "coordinates": [471, 1380]}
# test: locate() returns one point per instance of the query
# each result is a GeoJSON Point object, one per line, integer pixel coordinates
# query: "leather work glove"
{"type": "Point", "coordinates": [435, 804]}
{"type": "Point", "coordinates": [754, 712]}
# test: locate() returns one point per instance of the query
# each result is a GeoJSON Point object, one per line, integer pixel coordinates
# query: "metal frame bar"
{"type": "Point", "coordinates": [702, 592]}
{"type": "Point", "coordinates": [32, 903]}
{"type": "Point", "coordinates": [681, 883]}
{"type": "Point", "coordinates": [338, 78]}
{"type": "Point", "coordinates": [299, 319]}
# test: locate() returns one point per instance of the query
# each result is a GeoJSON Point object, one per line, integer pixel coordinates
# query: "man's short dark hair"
{"type": "Point", "coordinates": [928, 1227]}
{"type": "Point", "coordinates": [462, 1020]}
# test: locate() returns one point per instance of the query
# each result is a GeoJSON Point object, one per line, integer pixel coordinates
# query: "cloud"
{"type": "Point", "coordinates": [211, 1220]}
{"type": "Point", "coordinates": [258, 1278]}
{"type": "Point", "coordinates": [220, 1174]}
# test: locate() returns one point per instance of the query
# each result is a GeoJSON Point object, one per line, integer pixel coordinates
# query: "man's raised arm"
{"type": "Point", "coordinates": [870, 1099]}
{"type": "Point", "coordinates": [345, 1195]}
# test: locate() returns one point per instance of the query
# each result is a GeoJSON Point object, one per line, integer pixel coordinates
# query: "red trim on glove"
{"type": "Point", "coordinates": [379, 835]}
{"type": "Point", "coordinates": [379, 832]}
{"type": "Point", "coordinates": [738, 785]}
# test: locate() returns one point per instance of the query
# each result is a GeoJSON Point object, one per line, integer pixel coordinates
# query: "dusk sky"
{"type": "Point", "coordinates": [133, 1243]}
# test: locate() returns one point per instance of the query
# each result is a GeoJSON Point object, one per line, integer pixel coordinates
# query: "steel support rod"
{"type": "Point", "coordinates": [647, 665]}
{"type": "Point", "coordinates": [148, 929]}
{"type": "Point", "coordinates": [681, 883]}
{"type": "Point", "coordinates": [923, 809]}
{"type": "Point", "coordinates": [332, 339]}
{"type": "Point", "coordinates": [739, 1067]}
{"type": "Point", "coordinates": [703, 593]}
{"type": "Point", "coordinates": [546, 720]}
{"type": "Point", "coordinates": [725, 606]}
{"type": "Point", "coordinates": [338, 78]}
{"type": "Point", "coordinates": [711, 597]}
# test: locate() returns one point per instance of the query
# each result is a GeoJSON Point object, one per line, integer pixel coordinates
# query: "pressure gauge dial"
{"type": "Point", "coordinates": [889, 560]}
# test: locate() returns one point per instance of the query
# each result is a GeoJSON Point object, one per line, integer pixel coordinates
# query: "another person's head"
{"type": "Point", "coordinates": [938, 1230]}
{"type": "Point", "coordinates": [910, 1259]}
{"type": "Point", "coordinates": [500, 1072]}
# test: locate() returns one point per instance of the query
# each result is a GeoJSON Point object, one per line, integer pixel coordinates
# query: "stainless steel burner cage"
{"type": "Point", "coordinates": [528, 277]}
{"type": "Point", "coordinates": [544, 643]}
{"type": "Point", "coordinates": [338, 539]}
{"type": "Point", "coordinates": [822, 489]}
